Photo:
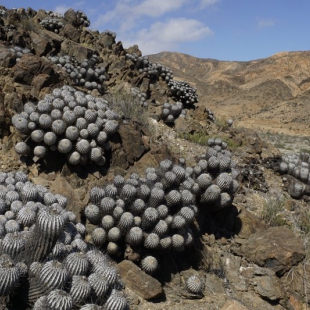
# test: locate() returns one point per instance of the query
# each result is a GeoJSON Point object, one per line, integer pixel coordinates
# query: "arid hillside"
{"type": "Point", "coordinates": [270, 94]}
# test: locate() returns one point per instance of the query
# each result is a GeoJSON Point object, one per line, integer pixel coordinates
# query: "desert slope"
{"type": "Point", "coordinates": [266, 94]}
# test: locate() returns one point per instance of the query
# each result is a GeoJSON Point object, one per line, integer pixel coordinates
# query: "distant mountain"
{"type": "Point", "coordinates": [267, 94]}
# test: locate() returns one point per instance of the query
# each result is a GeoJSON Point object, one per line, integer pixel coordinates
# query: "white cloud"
{"type": "Point", "coordinates": [265, 23]}
{"type": "Point", "coordinates": [157, 8]}
{"type": "Point", "coordinates": [127, 12]}
{"type": "Point", "coordinates": [205, 3]}
{"type": "Point", "coordinates": [166, 36]}
{"type": "Point", "coordinates": [61, 9]}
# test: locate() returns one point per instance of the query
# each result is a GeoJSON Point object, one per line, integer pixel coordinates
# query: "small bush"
{"type": "Point", "coordinates": [196, 137]}
{"type": "Point", "coordinates": [305, 151]}
{"type": "Point", "coordinates": [271, 211]}
{"type": "Point", "coordinates": [27, 25]}
{"type": "Point", "coordinates": [128, 106]}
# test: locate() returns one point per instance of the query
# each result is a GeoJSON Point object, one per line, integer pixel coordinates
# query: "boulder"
{"type": "Point", "coordinates": [7, 58]}
{"type": "Point", "coordinates": [268, 287]}
{"type": "Point", "coordinates": [139, 282]}
{"type": "Point", "coordinates": [45, 41]}
{"type": "Point", "coordinates": [129, 148]}
{"type": "Point", "coordinates": [71, 32]}
{"type": "Point", "coordinates": [76, 50]}
{"type": "Point", "coordinates": [31, 66]}
{"type": "Point", "coordinates": [247, 223]}
{"type": "Point", "coordinates": [276, 248]}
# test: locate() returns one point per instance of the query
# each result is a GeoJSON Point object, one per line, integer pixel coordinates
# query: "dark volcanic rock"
{"type": "Point", "coordinates": [72, 33]}
{"type": "Point", "coordinates": [247, 223]}
{"type": "Point", "coordinates": [276, 248]}
{"type": "Point", "coordinates": [45, 41]}
{"type": "Point", "coordinates": [30, 66]}
{"type": "Point", "coordinates": [7, 58]}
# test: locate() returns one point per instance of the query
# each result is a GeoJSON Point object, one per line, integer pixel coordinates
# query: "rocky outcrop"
{"type": "Point", "coordinates": [276, 248]}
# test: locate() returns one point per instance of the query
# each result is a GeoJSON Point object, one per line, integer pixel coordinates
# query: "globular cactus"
{"type": "Point", "coordinates": [161, 228]}
{"type": "Point", "coordinates": [204, 180]}
{"type": "Point", "coordinates": [99, 236]}
{"type": "Point", "coordinates": [37, 135]}
{"type": "Point", "coordinates": [134, 236]}
{"type": "Point", "coordinates": [149, 264]}
{"type": "Point", "coordinates": [11, 226]}
{"type": "Point", "coordinates": [40, 303]}
{"type": "Point", "coordinates": [138, 206]}
{"type": "Point", "coordinates": [149, 217]}
{"type": "Point", "coordinates": [77, 264]}
{"type": "Point", "coordinates": [111, 191]}
{"type": "Point", "coordinates": [114, 234]}
{"type": "Point", "coordinates": [154, 212]}
{"type": "Point", "coordinates": [21, 148]}
{"type": "Point", "coordinates": [107, 222]}
{"type": "Point", "coordinates": [107, 205]}
{"type": "Point", "coordinates": [59, 299]}
{"type": "Point", "coordinates": [80, 289]}
{"type": "Point", "coordinates": [156, 197]}
{"type": "Point", "coordinates": [126, 221]}
{"type": "Point", "coordinates": [96, 194]}
{"type": "Point", "coordinates": [178, 222]}
{"type": "Point", "coordinates": [177, 242]}
{"type": "Point", "coordinates": [173, 198]}
{"type": "Point", "coordinates": [40, 151]}
{"type": "Point", "coordinates": [53, 275]}
{"type": "Point", "coordinates": [12, 244]}
{"type": "Point", "coordinates": [99, 284]}
{"type": "Point", "coordinates": [224, 181]}
{"type": "Point", "coordinates": [28, 192]}
{"type": "Point", "coordinates": [211, 194]}
{"type": "Point", "coordinates": [93, 213]}
{"type": "Point", "coordinates": [128, 193]}
{"type": "Point", "coordinates": [116, 301]}
{"type": "Point", "coordinates": [112, 248]}
{"type": "Point", "coordinates": [195, 285]}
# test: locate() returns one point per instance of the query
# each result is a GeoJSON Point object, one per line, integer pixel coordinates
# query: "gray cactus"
{"type": "Point", "coordinates": [149, 264]}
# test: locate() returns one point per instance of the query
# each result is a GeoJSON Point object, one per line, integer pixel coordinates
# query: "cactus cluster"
{"type": "Point", "coordinates": [67, 121]}
{"type": "Point", "coordinates": [157, 70]}
{"type": "Point", "coordinates": [52, 22]}
{"type": "Point", "coordinates": [85, 74]}
{"type": "Point", "coordinates": [19, 51]}
{"type": "Point", "coordinates": [82, 19]}
{"type": "Point", "coordinates": [183, 92]}
{"type": "Point", "coordinates": [2, 12]}
{"type": "Point", "coordinates": [216, 176]}
{"type": "Point", "coordinates": [154, 212]}
{"type": "Point", "coordinates": [170, 112]}
{"type": "Point", "coordinates": [298, 166]}
{"type": "Point", "coordinates": [42, 244]}
{"type": "Point", "coordinates": [211, 115]}
{"type": "Point", "coordinates": [253, 176]}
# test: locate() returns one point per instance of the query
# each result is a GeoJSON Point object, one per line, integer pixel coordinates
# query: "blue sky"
{"type": "Point", "coordinates": [222, 29]}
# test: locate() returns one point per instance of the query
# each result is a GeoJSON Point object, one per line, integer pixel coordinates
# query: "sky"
{"type": "Point", "coordinates": [234, 30]}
